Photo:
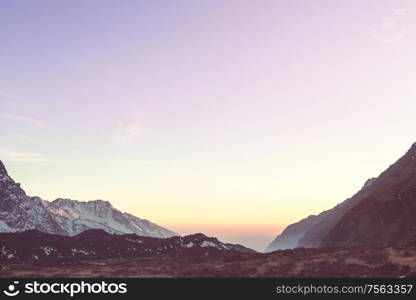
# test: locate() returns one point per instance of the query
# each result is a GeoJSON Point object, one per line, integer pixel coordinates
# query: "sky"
{"type": "Point", "coordinates": [231, 118]}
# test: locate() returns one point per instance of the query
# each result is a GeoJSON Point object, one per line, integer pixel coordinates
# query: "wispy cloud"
{"type": "Point", "coordinates": [22, 119]}
{"type": "Point", "coordinates": [125, 133]}
{"type": "Point", "coordinates": [16, 156]}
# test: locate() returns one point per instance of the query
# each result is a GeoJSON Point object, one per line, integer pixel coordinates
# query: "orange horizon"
{"type": "Point", "coordinates": [259, 235]}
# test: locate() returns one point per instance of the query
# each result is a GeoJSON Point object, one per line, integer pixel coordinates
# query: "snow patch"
{"type": "Point", "coordinates": [5, 228]}
{"type": "Point", "coordinates": [208, 244]}
{"type": "Point", "coordinates": [189, 245]}
{"type": "Point", "coordinates": [73, 250]}
{"type": "Point", "coordinates": [47, 250]}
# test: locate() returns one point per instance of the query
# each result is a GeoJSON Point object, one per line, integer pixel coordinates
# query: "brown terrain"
{"type": "Point", "coordinates": [393, 261]}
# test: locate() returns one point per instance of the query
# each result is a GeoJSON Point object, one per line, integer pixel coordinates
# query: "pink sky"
{"type": "Point", "coordinates": [233, 118]}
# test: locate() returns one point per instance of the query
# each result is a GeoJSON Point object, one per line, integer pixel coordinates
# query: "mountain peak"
{"type": "Point", "coordinates": [369, 182]}
{"type": "Point", "coordinates": [104, 203]}
{"type": "Point", "coordinates": [3, 170]}
{"type": "Point", "coordinates": [19, 212]}
{"type": "Point", "coordinates": [413, 149]}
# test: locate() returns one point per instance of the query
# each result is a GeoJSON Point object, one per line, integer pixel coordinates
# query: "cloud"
{"type": "Point", "coordinates": [15, 156]}
{"type": "Point", "coordinates": [125, 133]}
{"type": "Point", "coordinates": [22, 119]}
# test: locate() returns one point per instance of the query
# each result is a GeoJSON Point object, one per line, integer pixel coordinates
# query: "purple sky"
{"type": "Point", "coordinates": [202, 115]}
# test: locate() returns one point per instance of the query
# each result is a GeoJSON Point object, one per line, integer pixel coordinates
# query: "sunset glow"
{"type": "Point", "coordinates": [231, 118]}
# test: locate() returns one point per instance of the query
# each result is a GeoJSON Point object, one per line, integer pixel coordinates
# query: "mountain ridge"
{"type": "Point", "coordinates": [20, 212]}
{"type": "Point", "coordinates": [335, 228]}
{"type": "Point", "coordinates": [34, 246]}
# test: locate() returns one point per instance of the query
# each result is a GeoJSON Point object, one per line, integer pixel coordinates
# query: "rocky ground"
{"type": "Point", "coordinates": [397, 261]}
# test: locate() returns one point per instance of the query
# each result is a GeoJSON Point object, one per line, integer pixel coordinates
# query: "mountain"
{"type": "Point", "coordinates": [33, 246]}
{"type": "Point", "coordinates": [381, 213]}
{"type": "Point", "coordinates": [386, 215]}
{"type": "Point", "coordinates": [308, 232]}
{"type": "Point", "coordinates": [75, 217]}
{"type": "Point", "coordinates": [20, 212]}
{"type": "Point", "coordinates": [290, 237]}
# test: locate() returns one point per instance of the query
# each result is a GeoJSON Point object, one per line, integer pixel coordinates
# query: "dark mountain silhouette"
{"type": "Point", "coordinates": [380, 213]}
{"type": "Point", "coordinates": [290, 237]}
{"type": "Point", "coordinates": [99, 254]}
{"type": "Point", "coordinates": [33, 246]}
{"type": "Point", "coordinates": [386, 215]}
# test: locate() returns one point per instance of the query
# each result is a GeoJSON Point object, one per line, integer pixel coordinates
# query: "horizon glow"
{"type": "Point", "coordinates": [231, 118]}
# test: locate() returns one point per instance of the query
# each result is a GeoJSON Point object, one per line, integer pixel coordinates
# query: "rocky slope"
{"type": "Point", "coordinates": [20, 212]}
{"type": "Point", "coordinates": [75, 217]}
{"type": "Point", "coordinates": [380, 213]}
{"type": "Point", "coordinates": [386, 215]}
{"type": "Point", "coordinates": [309, 232]}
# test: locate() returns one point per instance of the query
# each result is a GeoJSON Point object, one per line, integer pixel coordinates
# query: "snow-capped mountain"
{"type": "Point", "coordinates": [20, 212]}
{"type": "Point", "coordinates": [75, 217]}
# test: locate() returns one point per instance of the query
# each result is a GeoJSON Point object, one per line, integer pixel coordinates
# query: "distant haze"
{"type": "Point", "coordinates": [232, 118]}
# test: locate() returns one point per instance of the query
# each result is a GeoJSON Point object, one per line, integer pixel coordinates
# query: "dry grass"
{"type": "Point", "coordinates": [354, 262]}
